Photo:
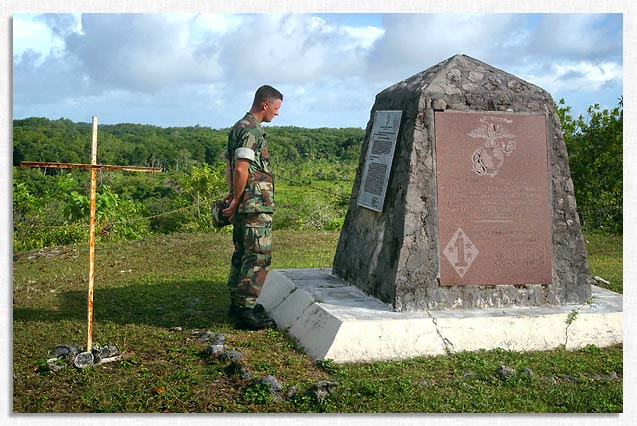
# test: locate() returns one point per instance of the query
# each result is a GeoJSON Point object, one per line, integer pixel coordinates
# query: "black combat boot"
{"type": "Point", "coordinates": [234, 310]}
{"type": "Point", "coordinates": [247, 319]}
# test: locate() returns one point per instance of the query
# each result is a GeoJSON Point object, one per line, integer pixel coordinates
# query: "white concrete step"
{"type": "Point", "coordinates": [333, 320]}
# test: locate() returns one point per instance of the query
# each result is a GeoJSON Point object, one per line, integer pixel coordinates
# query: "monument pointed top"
{"type": "Point", "coordinates": [462, 74]}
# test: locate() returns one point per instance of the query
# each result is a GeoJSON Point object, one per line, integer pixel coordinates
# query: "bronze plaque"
{"type": "Point", "coordinates": [493, 199]}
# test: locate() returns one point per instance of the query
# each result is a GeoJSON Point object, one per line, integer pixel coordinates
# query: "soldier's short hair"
{"type": "Point", "coordinates": [266, 93]}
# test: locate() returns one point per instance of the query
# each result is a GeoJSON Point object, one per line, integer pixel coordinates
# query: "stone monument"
{"type": "Point", "coordinates": [463, 196]}
{"type": "Point", "coordinates": [462, 202]}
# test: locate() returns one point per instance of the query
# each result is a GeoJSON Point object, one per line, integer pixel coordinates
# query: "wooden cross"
{"type": "Point", "coordinates": [93, 167]}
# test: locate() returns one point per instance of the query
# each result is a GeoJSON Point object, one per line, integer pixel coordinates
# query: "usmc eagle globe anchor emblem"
{"type": "Point", "coordinates": [500, 143]}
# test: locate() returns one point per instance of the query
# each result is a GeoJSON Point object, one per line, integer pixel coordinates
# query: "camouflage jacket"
{"type": "Point", "coordinates": [246, 140]}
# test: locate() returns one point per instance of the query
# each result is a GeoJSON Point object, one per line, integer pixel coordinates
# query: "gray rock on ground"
{"type": "Point", "coordinates": [104, 352]}
{"type": "Point", "coordinates": [231, 355]}
{"type": "Point", "coordinates": [214, 350]}
{"type": "Point", "coordinates": [273, 385]}
{"type": "Point", "coordinates": [84, 359]}
{"type": "Point", "coordinates": [321, 390]}
{"type": "Point", "coordinates": [505, 372]}
{"type": "Point", "coordinates": [65, 351]}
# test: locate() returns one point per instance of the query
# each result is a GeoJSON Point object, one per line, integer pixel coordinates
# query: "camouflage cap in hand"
{"type": "Point", "coordinates": [218, 219]}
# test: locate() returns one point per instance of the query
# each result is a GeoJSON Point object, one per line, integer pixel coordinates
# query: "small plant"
{"type": "Point", "coordinates": [369, 388]}
{"type": "Point", "coordinates": [571, 317]}
{"type": "Point", "coordinates": [263, 365]}
{"type": "Point", "coordinates": [329, 366]}
{"type": "Point", "coordinates": [591, 349]}
{"type": "Point", "coordinates": [257, 393]}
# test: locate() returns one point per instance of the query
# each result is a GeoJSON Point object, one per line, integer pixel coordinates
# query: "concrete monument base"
{"type": "Point", "coordinates": [331, 319]}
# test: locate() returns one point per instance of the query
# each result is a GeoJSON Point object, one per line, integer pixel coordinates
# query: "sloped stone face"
{"type": "Point", "coordinates": [394, 255]}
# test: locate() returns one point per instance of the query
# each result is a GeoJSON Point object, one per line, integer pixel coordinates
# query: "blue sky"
{"type": "Point", "coordinates": [202, 69]}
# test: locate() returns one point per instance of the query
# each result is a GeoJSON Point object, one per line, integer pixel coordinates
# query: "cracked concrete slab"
{"type": "Point", "coordinates": [331, 319]}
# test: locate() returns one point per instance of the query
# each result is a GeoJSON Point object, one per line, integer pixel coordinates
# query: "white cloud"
{"type": "Point", "coordinates": [139, 52]}
{"type": "Point", "coordinates": [578, 36]}
{"type": "Point", "coordinates": [33, 35]}
{"type": "Point", "coordinates": [61, 24]}
{"type": "Point", "coordinates": [584, 75]}
{"type": "Point", "coordinates": [414, 42]}
{"type": "Point", "coordinates": [214, 24]}
{"type": "Point", "coordinates": [341, 102]}
{"type": "Point", "coordinates": [185, 67]}
{"type": "Point", "coordinates": [316, 23]}
{"type": "Point", "coordinates": [363, 37]}
{"type": "Point", "coordinates": [293, 49]}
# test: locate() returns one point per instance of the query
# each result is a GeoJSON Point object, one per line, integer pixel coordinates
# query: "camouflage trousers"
{"type": "Point", "coordinates": [252, 237]}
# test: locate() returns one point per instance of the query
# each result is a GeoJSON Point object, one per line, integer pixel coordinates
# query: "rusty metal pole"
{"type": "Point", "coordinates": [91, 243]}
{"type": "Point", "coordinates": [86, 358]}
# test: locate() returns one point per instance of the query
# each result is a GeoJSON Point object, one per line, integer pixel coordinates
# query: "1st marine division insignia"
{"type": "Point", "coordinates": [460, 252]}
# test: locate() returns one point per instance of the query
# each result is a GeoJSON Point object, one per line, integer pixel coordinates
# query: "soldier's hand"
{"type": "Point", "coordinates": [231, 210]}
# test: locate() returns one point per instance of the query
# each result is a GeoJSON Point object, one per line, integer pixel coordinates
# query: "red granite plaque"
{"type": "Point", "coordinates": [493, 199]}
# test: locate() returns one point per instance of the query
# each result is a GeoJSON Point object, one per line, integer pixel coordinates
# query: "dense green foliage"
{"type": "Point", "coordinates": [594, 146]}
{"type": "Point", "coordinates": [174, 148]}
{"type": "Point", "coordinates": [54, 210]}
{"type": "Point", "coordinates": [314, 173]}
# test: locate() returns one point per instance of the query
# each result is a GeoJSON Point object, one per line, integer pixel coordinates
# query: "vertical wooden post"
{"type": "Point", "coordinates": [92, 209]}
{"type": "Point", "coordinates": [91, 252]}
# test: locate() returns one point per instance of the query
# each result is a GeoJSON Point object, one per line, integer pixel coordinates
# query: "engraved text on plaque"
{"type": "Point", "coordinates": [379, 158]}
{"type": "Point", "coordinates": [493, 205]}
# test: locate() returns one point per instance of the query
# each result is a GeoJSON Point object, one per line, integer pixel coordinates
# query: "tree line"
{"type": "Point", "coordinates": [174, 148]}
{"type": "Point", "coordinates": [315, 170]}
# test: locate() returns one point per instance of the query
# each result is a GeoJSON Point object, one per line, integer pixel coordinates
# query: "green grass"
{"type": "Point", "coordinates": [144, 288]}
{"type": "Point", "coordinates": [605, 259]}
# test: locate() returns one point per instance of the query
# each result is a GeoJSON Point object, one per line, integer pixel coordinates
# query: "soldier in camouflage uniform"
{"type": "Point", "coordinates": [251, 198]}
